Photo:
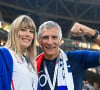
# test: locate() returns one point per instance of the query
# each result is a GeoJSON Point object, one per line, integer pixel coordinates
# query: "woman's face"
{"type": "Point", "coordinates": [26, 36]}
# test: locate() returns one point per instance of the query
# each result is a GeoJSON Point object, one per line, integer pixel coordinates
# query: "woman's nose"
{"type": "Point", "coordinates": [27, 31]}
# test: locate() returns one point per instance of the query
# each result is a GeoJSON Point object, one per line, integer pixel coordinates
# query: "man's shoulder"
{"type": "Point", "coordinates": [76, 54]}
{"type": "Point", "coordinates": [39, 60]}
{"type": "Point", "coordinates": [40, 56]}
{"type": "Point", "coordinates": [78, 51]}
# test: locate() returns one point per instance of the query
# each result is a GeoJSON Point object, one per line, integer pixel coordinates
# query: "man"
{"type": "Point", "coordinates": [58, 70]}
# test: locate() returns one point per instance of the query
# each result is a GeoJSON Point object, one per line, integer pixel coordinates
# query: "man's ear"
{"type": "Point", "coordinates": [60, 42]}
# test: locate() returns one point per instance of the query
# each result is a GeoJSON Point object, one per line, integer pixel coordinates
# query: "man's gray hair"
{"type": "Point", "coordinates": [48, 25]}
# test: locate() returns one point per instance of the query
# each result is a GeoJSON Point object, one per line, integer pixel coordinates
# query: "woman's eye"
{"type": "Point", "coordinates": [22, 29]}
{"type": "Point", "coordinates": [31, 31]}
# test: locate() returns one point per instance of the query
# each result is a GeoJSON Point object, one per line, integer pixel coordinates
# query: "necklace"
{"type": "Point", "coordinates": [26, 62]}
{"type": "Point", "coordinates": [51, 85]}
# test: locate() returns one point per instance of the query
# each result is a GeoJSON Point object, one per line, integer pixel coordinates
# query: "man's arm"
{"type": "Point", "coordinates": [79, 30]}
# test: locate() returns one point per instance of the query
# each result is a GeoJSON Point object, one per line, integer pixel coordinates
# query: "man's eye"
{"type": "Point", "coordinates": [54, 37]}
{"type": "Point", "coordinates": [45, 37]}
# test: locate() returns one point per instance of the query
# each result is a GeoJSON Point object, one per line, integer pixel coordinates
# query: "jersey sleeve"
{"type": "Point", "coordinates": [85, 58]}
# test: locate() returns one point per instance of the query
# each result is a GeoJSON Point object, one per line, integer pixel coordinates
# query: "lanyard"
{"type": "Point", "coordinates": [52, 85]}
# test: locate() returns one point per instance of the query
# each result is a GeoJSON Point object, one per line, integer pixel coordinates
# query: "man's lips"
{"type": "Point", "coordinates": [49, 47]}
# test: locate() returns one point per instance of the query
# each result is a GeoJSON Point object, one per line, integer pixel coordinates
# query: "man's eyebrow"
{"type": "Point", "coordinates": [44, 36]}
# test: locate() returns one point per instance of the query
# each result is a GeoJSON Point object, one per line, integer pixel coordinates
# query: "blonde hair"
{"type": "Point", "coordinates": [13, 39]}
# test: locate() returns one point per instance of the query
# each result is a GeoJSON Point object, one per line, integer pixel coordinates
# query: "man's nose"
{"type": "Point", "coordinates": [50, 41]}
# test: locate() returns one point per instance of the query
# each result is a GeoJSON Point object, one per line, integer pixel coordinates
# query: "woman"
{"type": "Point", "coordinates": [17, 58]}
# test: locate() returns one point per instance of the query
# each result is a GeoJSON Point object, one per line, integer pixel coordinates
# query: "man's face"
{"type": "Point", "coordinates": [50, 42]}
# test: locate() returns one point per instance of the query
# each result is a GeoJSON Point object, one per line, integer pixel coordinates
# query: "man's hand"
{"type": "Point", "coordinates": [79, 30]}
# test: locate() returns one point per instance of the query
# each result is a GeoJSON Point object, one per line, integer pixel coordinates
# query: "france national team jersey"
{"type": "Point", "coordinates": [80, 61]}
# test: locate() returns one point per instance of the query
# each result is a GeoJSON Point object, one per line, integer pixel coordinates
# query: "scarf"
{"type": "Point", "coordinates": [64, 77]}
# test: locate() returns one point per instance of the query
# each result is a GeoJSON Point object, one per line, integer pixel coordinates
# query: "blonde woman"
{"type": "Point", "coordinates": [17, 58]}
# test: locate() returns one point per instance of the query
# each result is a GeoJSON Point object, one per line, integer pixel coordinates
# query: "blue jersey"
{"type": "Point", "coordinates": [80, 61]}
{"type": "Point", "coordinates": [6, 69]}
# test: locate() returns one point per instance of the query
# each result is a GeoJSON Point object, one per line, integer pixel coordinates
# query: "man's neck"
{"type": "Point", "coordinates": [50, 57]}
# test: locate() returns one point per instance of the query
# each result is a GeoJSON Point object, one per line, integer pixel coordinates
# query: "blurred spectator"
{"type": "Point", "coordinates": [97, 69]}
{"type": "Point", "coordinates": [3, 37]}
{"type": "Point", "coordinates": [87, 86]}
{"type": "Point", "coordinates": [96, 86]}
